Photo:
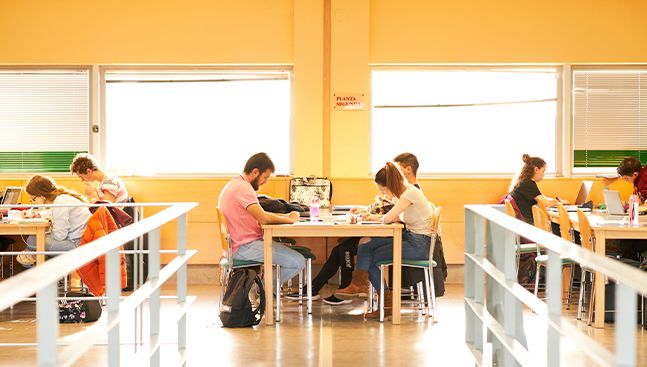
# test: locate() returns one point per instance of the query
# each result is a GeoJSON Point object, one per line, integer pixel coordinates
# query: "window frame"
{"type": "Point", "coordinates": [101, 71]}
{"type": "Point", "coordinates": [560, 131]}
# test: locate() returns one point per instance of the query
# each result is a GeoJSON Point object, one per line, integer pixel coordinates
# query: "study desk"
{"type": "Point", "coordinates": [25, 229]}
{"type": "Point", "coordinates": [605, 229]}
{"type": "Point", "coordinates": [331, 229]}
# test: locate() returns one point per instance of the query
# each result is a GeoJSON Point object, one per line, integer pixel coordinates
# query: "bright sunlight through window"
{"type": "Point", "coordinates": [196, 122]}
{"type": "Point", "coordinates": [465, 121]}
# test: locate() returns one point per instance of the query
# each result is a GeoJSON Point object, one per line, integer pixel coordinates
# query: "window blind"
{"type": "Point", "coordinates": [609, 116]}
{"type": "Point", "coordinates": [44, 119]}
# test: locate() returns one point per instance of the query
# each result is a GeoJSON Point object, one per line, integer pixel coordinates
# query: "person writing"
{"type": "Point", "coordinates": [244, 216]}
{"type": "Point", "coordinates": [99, 185]}
{"type": "Point", "coordinates": [631, 170]}
{"type": "Point", "coordinates": [524, 189]}
{"type": "Point", "coordinates": [412, 209]}
{"type": "Point", "coordinates": [68, 223]}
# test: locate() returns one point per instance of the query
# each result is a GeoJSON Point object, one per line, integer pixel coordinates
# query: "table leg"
{"type": "Point", "coordinates": [600, 249]}
{"type": "Point", "coordinates": [40, 244]}
{"type": "Point", "coordinates": [397, 274]}
{"type": "Point", "coordinates": [269, 282]}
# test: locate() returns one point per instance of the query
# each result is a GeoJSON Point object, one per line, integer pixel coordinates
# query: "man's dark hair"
{"type": "Point", "coordinates": [628, 166]}
{"type": "Point", "coordinates": [408, 160]}
{"type": "Point", "coordinates": [259, 160]}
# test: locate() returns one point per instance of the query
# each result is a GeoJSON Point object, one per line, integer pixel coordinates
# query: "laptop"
{"type": "Point", "coordinates": [613, 202]}
{"type": "Point", "coordinates": [581, 202]}
{"type": "Point", "coordinates": [11, 195]}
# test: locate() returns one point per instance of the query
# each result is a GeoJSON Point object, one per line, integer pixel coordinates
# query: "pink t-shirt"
{"type": "Point", "coordinates": [235, 197]}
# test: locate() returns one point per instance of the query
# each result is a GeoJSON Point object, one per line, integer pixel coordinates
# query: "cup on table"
{"type": "Point", "coordinates": [351, 218]}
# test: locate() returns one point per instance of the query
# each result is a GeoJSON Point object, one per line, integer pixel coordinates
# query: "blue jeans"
{"type": "Point", "coordinates": [291, 261]}
{"type": "Point", "coordinates": [414, 247]}
{"type": "Point", "coordinates": [52, 244]}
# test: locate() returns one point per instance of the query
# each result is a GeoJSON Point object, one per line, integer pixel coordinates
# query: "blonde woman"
{"type": "Point", "coordinates": [68, 223]}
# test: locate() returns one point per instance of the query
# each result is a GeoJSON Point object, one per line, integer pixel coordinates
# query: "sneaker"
{"type": "Point", "coordinates": [295, 296]}
{"type": "Point", "coordinates": [332, 300]}
{"type": "Point", "coordinates": [26, 259]}
{"type": "Point", "coordinates": [353, 290]}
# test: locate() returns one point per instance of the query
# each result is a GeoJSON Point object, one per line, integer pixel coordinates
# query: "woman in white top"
{"type": "Point", "coordinates": [412, 209]}
{"type": "Point", "coordinates": [68, 223]}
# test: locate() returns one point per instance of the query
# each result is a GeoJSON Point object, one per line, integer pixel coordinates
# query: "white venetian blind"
{"type": "Point", "coordinates": [44, 118]}
{"type": "Point", "coordinates": [609, 116]}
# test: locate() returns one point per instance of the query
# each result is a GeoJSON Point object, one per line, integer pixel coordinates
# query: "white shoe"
{"type": "Point", "coordinates": [26, 259]}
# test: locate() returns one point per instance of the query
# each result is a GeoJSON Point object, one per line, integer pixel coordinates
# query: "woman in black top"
{"type": "Point", "coordinates": [524, 188]}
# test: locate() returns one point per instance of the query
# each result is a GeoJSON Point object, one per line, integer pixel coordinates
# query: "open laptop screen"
{"type": "Point", "coordinates": [11, 195]}
{"type": "Point", "coordinates": [613, 203]}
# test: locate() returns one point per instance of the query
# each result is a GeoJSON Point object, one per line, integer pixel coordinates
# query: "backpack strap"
{"type": "Point", "coordinates": [261, 307]}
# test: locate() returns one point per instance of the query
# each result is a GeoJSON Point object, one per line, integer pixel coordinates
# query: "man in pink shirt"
{"type": "Point", "coordinates": [245, 215]}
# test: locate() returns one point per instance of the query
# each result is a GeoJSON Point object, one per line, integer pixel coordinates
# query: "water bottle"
{"type": "Point", "coordinates": [314, 209]}
{"type": "Point", "coordinates": [633, 210]}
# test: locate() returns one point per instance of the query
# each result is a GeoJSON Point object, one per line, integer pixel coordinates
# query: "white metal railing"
{"type": "Point", "coordinates": [495, 310]}
{"type": "Point", "coordinates": [43, 279]}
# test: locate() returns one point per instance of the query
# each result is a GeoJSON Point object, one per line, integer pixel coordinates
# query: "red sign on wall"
{"type": "Point", "coordinates": [348, 101]}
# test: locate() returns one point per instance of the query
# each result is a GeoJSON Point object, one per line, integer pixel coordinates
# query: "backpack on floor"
{"type": "Point", "coordinates": [77, 311]}
{"type": "Point", "coordinates": [527, 270]}
{"type": "Point", "coordinates": [243, 304]}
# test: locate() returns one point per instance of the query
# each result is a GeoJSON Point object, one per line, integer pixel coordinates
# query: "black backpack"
{"type": "Point", "coordinates": [244, 302]}
{"type": "Point", "coordinates": [77, 311]}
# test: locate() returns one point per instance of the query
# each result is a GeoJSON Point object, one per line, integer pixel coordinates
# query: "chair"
{"type": "Point", "coordinates": [521, 248]}
{"type": "Point", "coordinates": [307, 271]}
{"type": "Point", "coordinates": [427, 265]}
{"type": "Point", "coordinates": [541, 220]}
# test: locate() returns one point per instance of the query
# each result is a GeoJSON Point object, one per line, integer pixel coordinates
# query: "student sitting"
{"type": "Point", "coordinates": [68, 223]}
{"type": "Point", "coordinates": [632, 171]}
{"type": "Point", "coordinates": [524, 187]}
{"type": "Point", "coordinates": [412, 209]}
{"type": "Point", "coordinates": [99, 185]}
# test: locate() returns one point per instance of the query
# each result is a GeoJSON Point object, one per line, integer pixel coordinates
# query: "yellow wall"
{"type": "Point", "coordinates": [207, 32]}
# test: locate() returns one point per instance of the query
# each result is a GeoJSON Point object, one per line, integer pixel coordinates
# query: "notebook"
{"type": "Point", "coordinates": [613, 202]}
{"type": "Point", "coordinates": [11, 195]}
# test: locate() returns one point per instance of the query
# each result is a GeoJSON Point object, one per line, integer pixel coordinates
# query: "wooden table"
{"type": "Point", "coordinates": [330, 229]}
{"type": "Point", "coordinates": [26, 229]}
{"type": "Point", "coordinates": [605, 229]}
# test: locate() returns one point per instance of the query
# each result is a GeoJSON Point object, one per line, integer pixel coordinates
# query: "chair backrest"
{"type": "Point", "coordinates": [586, 234]}
{"type": "Point", "coordinates": [509, 210]}
{"type": "Point", "coordinates": [541, 206]}
{"type": "Point", "coordinates": [435, 229]}
{"type": "Point", "coordinates": [540, 218]}
{"type": "Point", "coordinates": [564, 222]}
{"type": "Point", "coordinates": [224, 232]}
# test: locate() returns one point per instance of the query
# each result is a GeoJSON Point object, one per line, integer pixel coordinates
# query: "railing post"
{"type": "Point", "coordinates": [625, 318]}
{"type": "Point", "coordinates": [181, 287]}
{"type": "Point", "coordinates": [47, 313]}
{"type": "Point", "coordinates": [154, 301]}
{"type": "Point", "coordinates": [474, 278]}
{"type": "Point", "coordinates": [554, 303]}
{"type": "Point", "coordinates": [506, 307]}
{"type": "Point", "coordinates": [113, 293]}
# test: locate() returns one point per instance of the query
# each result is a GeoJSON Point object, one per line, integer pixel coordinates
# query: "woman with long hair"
{"type": "Point", "coordinates": [68, 223]}
{"type": "Point", "coordinates": [412, 209]}
{"type": "Point", "coordinates": [524, 189]}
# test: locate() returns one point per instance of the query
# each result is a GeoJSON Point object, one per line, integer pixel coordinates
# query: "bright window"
{"type": "Point", "coordinates": [44, 118]}
{"type": "Point", "coordinates": [609, 118]}
{"type": "Point", "coordinates": [195, 122]}
{"type": "Point", "coordinates": [467, 121]}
